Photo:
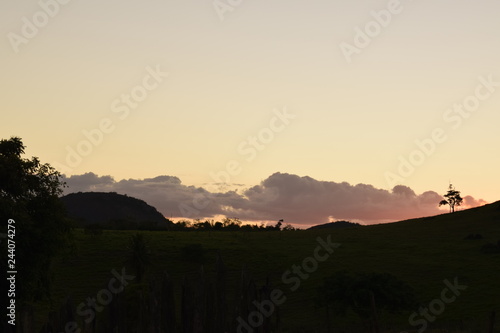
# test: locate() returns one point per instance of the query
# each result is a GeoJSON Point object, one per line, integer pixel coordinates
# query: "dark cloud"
{"type": "Point", "coordinates": [306, 200]}
{"type": "Point", "coordinates": [87, 182]}
{"type": "Point", "coordinates": [165, 193]}
{"type": "Point", "coordinates": [298, 200]}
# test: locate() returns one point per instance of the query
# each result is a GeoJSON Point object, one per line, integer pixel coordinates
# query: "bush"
{"type": "Point", "coordinates": [491, 248]}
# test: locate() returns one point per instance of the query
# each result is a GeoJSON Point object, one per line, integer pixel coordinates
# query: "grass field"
{"type": "Point", "coordinates": [422, 252]}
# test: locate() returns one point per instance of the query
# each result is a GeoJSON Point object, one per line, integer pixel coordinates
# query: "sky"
{"type": "Point", "coordinates": [307, 111]}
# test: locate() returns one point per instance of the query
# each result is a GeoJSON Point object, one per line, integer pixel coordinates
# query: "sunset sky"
{"type": "Point", "coordinates": [292, 104]}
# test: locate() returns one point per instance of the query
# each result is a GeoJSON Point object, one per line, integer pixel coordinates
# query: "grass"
{"type": "Point", "coordinates": [422, 252]}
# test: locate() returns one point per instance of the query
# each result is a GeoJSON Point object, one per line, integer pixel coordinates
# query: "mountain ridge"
{"type": "Point", "coordinates": [108, 208]}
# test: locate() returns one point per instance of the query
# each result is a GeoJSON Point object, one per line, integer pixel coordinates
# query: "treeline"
{"type": "Point", "coordinates": [227, 224]}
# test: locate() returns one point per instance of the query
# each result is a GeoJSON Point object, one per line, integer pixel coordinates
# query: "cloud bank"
{"type": "Point", "coordinates": [297, 200]}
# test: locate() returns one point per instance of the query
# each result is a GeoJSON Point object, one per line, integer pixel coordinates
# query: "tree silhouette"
{"type": "Point", "coordinates": [278, 225]}
{"type": "Point", "coordinates": [29, 195]}
{"type": "Point", "coordinates": [453, 199]}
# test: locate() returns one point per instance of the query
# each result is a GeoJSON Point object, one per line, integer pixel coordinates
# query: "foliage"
{"type": "Point", "coordinates": [422, 252]}
{"type": "Point", "coordinates": [289, 227]}
{"type": "Point", "coordinates": [227, 224]}
{"type": "Point", "coordinates": [453, 199]}
{"type": "Point", "coordinates": [29, 193]}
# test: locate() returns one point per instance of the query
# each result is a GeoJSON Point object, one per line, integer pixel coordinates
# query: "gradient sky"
{"type": "Point", "coordinates": [228, 77]}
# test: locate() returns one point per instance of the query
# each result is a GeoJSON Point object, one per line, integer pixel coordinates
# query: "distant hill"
{"type": "Point", "coordinates": [335, 225]}
{"type": "Point", "coordinates": [112, 210]}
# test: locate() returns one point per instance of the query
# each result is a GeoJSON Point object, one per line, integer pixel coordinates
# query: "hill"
{"type": "Point", "coordinates": [335, 225]}
{"type": "Point", "coordinates": [422, 252]}
{"type": "Point", "coordinates": [111, 210]}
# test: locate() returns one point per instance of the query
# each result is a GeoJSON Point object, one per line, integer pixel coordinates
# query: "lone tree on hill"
{"type": "Point", "coordinates": [453, 199]}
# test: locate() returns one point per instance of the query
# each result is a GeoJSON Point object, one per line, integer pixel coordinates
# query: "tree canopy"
{"type": "Point", "coordinates": [452, 198]}
{"type": "Point", "coordinates": [29, 195]}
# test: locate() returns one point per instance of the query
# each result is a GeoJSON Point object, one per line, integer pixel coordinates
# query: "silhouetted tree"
{"type": "Point", "coordinates": [278, 225]}
{"type": "Point", "coordinates": [288, 227]}
{"type": "Point", "coordinates": [29, 195]}
{"type": "Point", "coordinates": [231, 223]}
{"type": "Point", "coordinates": [183, 225]}
{"type": "Point", "coordinates": [453, 199]}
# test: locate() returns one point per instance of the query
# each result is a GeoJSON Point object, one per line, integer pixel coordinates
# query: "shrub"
{"type": "Point", "coordinates": [491, 248]}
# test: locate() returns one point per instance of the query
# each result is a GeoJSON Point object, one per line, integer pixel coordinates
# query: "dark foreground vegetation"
{"type": "Point", "coordinates": [196, 281]}
{"type": "Point", "coordinates": [435, 274]}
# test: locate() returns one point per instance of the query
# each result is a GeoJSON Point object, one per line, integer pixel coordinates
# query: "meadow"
{"type": "Point", "coordinates": [422, 252]}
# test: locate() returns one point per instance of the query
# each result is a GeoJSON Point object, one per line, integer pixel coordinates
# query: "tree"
{"type": "Point", "coordinates": [29, 195]}
{"type": "Point", "coordinates": [278, 225]}
{"type": "Point", "coordinates": [453, 199]}
{"type": "Point", "coordinates": [231, 224]}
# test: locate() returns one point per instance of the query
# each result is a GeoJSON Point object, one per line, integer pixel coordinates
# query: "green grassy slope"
{"type": "Point", "coordinates": [422, 252]}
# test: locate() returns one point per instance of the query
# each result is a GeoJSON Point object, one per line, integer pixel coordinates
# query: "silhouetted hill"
{"type": "Point", "coordinates": [335, 225]}
{"type": "Point", "coordinates": [112, 210]}
{"type": "Point", "coordinates": [471, 217]}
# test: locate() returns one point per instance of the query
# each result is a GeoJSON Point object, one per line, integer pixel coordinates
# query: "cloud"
{"type": "Point", "coordinates": [470, 202]}
{"type": "Point", "coordinates": [166, 193]}
{"type": "Point", "coordinates": [297, 200]}
{"type": "Point", "coordinates": [306, 200]}
{"type": "Point", "coordinates": [88, 182]}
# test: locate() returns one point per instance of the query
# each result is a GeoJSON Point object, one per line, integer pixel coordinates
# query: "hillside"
{"type": "Point", "coordinates": [335, 225]}
{"type": "Point", "coordinates": [422, 252]}
{"type": "Point", "coordinates": [110, 209]}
